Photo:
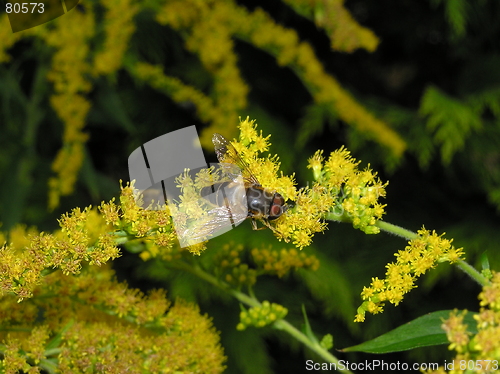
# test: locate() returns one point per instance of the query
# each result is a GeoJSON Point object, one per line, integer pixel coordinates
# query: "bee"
{"type": "Point", "coordinates": [237, 197]}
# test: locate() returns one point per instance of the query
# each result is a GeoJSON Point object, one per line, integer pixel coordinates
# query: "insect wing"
{"type": "Point", "coordinates": [217, 222]}
{"type": "Point", "coordinates": [229, 210]}
{"type": "Point", "coordinates": [229, 157]}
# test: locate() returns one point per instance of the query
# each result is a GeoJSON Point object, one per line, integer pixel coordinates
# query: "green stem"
{"type": "Point", "coordinates": [396, 230]}
{"type": "Point", "coordinates": [240, 296]}
{"type": "Point", "coordinates": [315, 347]}
{"type": "Point", "coordinates": [52, 352]}
{"type": "Point", "coordinates": [16, 329]}
{"type": "Point", "coordinates": [252, 302]}
{"type": "Point", "coordinates": [49, 366]}
{"type": "Point", "coordinates": [473, 273]}
{"type": "Point", "coordinates": [384, 226]}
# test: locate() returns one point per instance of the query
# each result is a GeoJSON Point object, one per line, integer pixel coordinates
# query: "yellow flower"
{"type": "Point", "coordinates": [422, 253]}
{"type": "Point", "coordinates": [377, 284]}
{"type": "Point", "coordinates": [98, 321]}
{"type": "Point", "coordinates": [118, 27]}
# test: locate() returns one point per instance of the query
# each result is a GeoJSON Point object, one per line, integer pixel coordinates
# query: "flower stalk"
{"type": "Point", "coordinates": [473, 273]}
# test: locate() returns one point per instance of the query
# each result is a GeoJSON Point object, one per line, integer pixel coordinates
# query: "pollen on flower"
{"type": "Point", "coordinates": [340, 167]}
{"type": "Point", "coordinates": [100, 320]}
{"type": "Point", "coordinates": [367, 293]}
{"type": "Point", "coordinates": [377, 284]}
{"type": "Point", "coordinates": [373, 307]}
{"type": "Point", "coordinates": [110, 212]}
{"type": "Point", "coordinates": [198, 248]}
{"type": "Point", "coordinates": [301, 239]}
{"type": "Point", "coordinates": [248, 131]}
{"type": "Point", "coordinates": [316, 164]}
{"type": "Point", "coordinates": [355, 192]}
{"type": "Point", "coordinates": [423, 263]}
{"type": "Point", "coordinates": [360, 317]}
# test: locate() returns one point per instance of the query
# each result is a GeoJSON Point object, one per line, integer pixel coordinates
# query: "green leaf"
{"type": "Point", "coordinates": [307, 327]}
{"type": "Point", "coordinates": [456, 14]}
{"type": "Point", "coordinates": [450, 120]}
{"type": "Point", "coordinates": [327, 342]}
{"type": "Point", "coordinates": [485, 262]}
{"type": "Point", "coordinates": [421, 332]}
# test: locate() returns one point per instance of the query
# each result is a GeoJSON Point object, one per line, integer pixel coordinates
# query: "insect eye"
{"type": "Point", "coordinates": [275, 210]}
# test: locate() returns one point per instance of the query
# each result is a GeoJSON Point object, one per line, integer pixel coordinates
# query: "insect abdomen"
{"type": "Point", "coordinates": [259, 202]}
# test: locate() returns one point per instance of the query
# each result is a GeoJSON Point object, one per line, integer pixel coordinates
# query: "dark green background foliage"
{"type": "Point", "coordinates": [435, 78]}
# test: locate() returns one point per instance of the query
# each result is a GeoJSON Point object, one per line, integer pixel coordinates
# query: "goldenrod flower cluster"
{"type": "Point", "coordinates": [266, 260]}
{"type": "Point", "coordinates": [84, 237]}
{"type": "Point", "coordinates": [262, 315]}
{"type": "Point", "coordinates": [280, 262]}
{"type": "Point", "coordinates": [118, 29]}
{"type": "Point", "coordinates": [232, 268]}
{"type": "Point", "coordinates": [249, 145]}
{"type": "Point", "coordinates": [70, 39]}
{"type": "Point", "coordinates": [340, 192]}
{"type": "Point", "coordinates": [92, 322]}
{"type": "Point", "coordinates": [355, 192]}
{"type": "Point", "coordinates": [154, 228]}
{"type": "Point", "coordinates": [482, 350]}
{"type": "Point", "coordinates": [422, 254]}
{"type": "Point", "coordinates": [345, 33]}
